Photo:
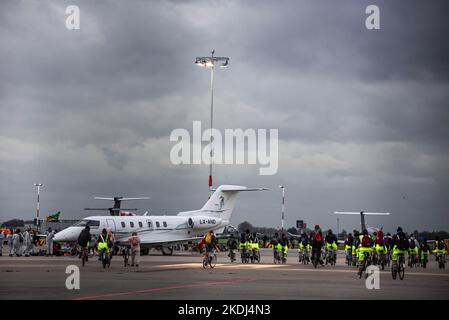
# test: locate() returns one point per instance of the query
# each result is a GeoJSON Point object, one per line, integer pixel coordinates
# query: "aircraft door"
{"type": "Point", "coordinates": [150, 225]}
{"type": "Point", "coordinates": [110, 224]}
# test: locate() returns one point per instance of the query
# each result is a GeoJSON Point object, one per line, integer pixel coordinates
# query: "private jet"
{"type": "Point", "coordinates": [163, 232]}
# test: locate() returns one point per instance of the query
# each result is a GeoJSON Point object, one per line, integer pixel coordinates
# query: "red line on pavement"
{"type": "Point", "coordinates": [193, 285]}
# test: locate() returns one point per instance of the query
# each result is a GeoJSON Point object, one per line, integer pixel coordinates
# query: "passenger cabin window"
{"type": "Point", "coordinates": [123, 224]}
{"type": "Point", "coordinates": [131, 224]}
{"type": "Point", "coordinates": [165, 224]}
{"type": "Point", "coordinates": [150, 224]}
{"type": "Point", "coordinates": [158, 225]}
{"type": "Point", "coordinates": [140, 224]}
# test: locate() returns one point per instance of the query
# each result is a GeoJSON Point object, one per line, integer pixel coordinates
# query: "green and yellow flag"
{"type": "Point", "coordinates": [53, 217]}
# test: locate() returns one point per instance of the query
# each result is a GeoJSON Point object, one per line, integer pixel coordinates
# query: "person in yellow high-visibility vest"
{"type": "Point", "coordinates": [103, 242]}
{"type": "Point", "coordinates": [365, 246]}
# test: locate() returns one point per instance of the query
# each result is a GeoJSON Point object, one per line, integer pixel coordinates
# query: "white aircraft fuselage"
{"type": "Point", "coordinates": [156, 231]}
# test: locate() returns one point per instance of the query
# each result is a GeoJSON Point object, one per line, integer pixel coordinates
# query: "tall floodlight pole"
{"type": "Point", "coordinates": [38, 185]}
{"type": "Point", "coordinates": [209, 62]}
{"type": "Point", "coordinates": [283, 207]}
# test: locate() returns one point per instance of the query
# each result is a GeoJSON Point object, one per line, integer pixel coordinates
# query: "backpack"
{"type": "Point", "coordinates": [366, 241]}
{"type": "Point", "coordinates": [412, 245]}
{"type": "Point", "coordinates": [134, 241]}
{"type": "Point", "coordinates": [208, 239]}
{"type": "Point", "coordinates": [402, 243]}
{"type": "Point", "coordinates": [440, 245]}
{"type": "Point", "coordinates": [318, 237]}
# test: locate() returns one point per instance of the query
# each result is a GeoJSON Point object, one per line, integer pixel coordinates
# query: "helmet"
{"type": "Point", "coordinates": [365, 232]}
{"type": "Point", "coordinates": [399, 229]}
{"type": "Point", "coordinates": [87, 228]}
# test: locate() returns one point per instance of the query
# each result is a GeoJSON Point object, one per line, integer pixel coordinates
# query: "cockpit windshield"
{"type": "Point", "coordinates": [91, 223]}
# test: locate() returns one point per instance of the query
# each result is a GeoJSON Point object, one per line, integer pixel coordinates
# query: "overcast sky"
{"type": "Point", "coordinates": [363, 115]}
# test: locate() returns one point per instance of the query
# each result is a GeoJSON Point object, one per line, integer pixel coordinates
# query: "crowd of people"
{"type": "Point", "coordinates": [26, 243]}
{"type": "Point", "coordinates": [322, 249]}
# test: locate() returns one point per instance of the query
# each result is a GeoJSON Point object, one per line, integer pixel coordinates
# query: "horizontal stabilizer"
{"type": "Point", "coordinates": [365, 213]}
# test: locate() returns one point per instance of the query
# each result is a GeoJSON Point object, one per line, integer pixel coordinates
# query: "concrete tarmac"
{"type": "Point", "coordinates": [182, 276]}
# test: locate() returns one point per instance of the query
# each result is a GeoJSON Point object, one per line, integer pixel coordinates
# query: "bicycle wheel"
{"type": "Point", "coordinates": [213, 260]}
{"type": "Point", "coordinates": [204, 263]}
{"type": "Point", "coordinates": [103, 260]}
{"type": "Point", "coordinates": [401, 271]}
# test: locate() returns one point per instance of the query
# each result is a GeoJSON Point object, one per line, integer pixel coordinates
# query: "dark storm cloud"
{"type": "Point", "coordinates": [362, 115]}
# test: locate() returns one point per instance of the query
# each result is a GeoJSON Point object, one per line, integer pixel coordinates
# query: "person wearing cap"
{"type": "Point", "coordinates": [135, 249]}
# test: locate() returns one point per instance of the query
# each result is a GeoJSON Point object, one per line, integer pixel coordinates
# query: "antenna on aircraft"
{"type": "Point", "coordinates": [362, 215]}
{"type": "Point", "coordinates": [115, 210]}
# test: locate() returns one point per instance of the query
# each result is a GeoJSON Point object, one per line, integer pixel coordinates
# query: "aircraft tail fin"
{"type": "Point", "coordinates": [222, 202]}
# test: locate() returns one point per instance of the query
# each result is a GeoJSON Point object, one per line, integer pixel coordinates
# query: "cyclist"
{"type": "Point", "coordinates": [331, 244]}
{"type": "Point", "coordinates": [210, 243]}
{"type": "Point", "coordinates": [349, 242]}
{"type": "Point", "coordinates": [413, 251]}
{"type": "Point", "coordinates": [388, 246]}
{"type": "Point", "coordinates": [379, 245]}
{"type": "Point", "coordinates": [304, 247]}
{"type": "Point", "coordinates": [283, 245]}
{"type": "Point", "coordinates": [424, 251]}
{"type": "Point", "coordinates": [365, 246]}
{"type": "Point", "coordinates": [232, 245]}
{"type": "Point", "coordinates": [355, 246]}
{"type": "Point", "coordinates": [399, 244]}
{"type": "Point", "coordinates": [254, 244]}
{"type": "Point", "coordinates": [103, 242]}
{"type": "Point", "coordinates": [244, 240]}
{"type": "Point", "coordinates": [83, 241]}
{"type": "Point", "coordinates": [274, 242]}
{"type": "Point", "coordinates": [440, 247]}
{"type": "Point", "coordinates": [317, 241]}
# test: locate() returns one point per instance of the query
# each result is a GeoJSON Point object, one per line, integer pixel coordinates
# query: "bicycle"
{"type": "Point", "coordinates": [231, 255]}
{"type": "Point", "coordinates": [305, 257]}
{"type": "Point", "coordinates": [398, 267]}
{"type": "Point", "coordinates": [349, 257]}
{"type": "Point", "coordinates": [283, 257]}
{"type": "Point", "coordinates": [424, 260]}
{"type": "Point", "coordinates": [244, 255]}
{"type": "Point", "coordinates": [362, 267]}
{"type": "Point", "coordinates": [126, 253]}
{"type": "Point", "coordinates": [330, 257]}
{"type": "Point", "coordinates": [441, 260]}
{"type": "Point", "coordinates": [276, 256]}
{"type": "Point", "coordinates": [316, 257]}
{"type": "Point", "coordinates": [382, 261]}
{"type": "Point", "coordinates": [84, 255]}
{"type": "Point", "coordinates": [105, 259]}
{"type": "Point", "coordinates": [412, 260]}
{"type": "Point", "coordinates": [209, 259]}
{"type": "Point", "coordinates": [255, 256]}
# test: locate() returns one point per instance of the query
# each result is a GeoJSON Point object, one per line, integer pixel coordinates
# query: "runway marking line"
{"type": "Point", "coordinates": [230, 266]}
{"type": "Point", "coordinates": [187, 286]}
